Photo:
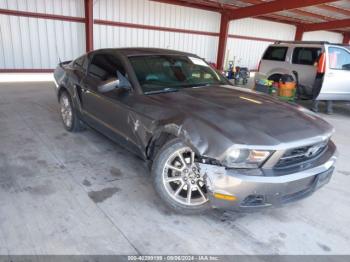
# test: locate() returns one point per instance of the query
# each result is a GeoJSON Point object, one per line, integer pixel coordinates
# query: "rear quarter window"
{"type": "Point", "coordinates": [81, 62]}
{"type": "Point", "coordinates": [305, 55]}
{"type": "Point", "coordinates": [276, 53]}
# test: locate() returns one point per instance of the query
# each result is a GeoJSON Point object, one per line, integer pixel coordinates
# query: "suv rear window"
{"type": "Point", "coordinates": [305, 55]}
{"type": "Point", "coordinates": [275, 53]}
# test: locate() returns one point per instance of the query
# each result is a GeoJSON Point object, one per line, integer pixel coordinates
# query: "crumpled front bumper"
{"type": "Point", "coordinates": [258, 191]}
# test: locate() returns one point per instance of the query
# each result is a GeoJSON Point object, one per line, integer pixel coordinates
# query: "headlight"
{"type": "Point", "coordinates": [245, 158]}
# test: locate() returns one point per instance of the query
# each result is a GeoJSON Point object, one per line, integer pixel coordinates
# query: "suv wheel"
{"type": "Point", "coordinates": [69, 116]}
{"type": "Point", "coordinates": [177, 179]}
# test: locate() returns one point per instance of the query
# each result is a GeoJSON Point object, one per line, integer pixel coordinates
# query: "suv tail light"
{"type": "Point", "coordinates": [321, 64]}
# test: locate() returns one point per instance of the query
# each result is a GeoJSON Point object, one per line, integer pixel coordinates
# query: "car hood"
{"type": "Point", "coordinates": [217, 117]}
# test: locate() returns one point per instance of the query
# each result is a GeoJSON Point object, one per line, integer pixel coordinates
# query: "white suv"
{"type": "Point", "coordinates": [302, 61]}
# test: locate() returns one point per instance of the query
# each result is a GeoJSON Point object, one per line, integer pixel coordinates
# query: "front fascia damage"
{"type": "Point", "coordinates": [238, 183]}
{"type": "Point", "coordinates": [189, 131]}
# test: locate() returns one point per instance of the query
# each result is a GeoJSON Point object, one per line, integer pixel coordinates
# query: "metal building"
{"type": "Point", "coordinates": [36, 34]}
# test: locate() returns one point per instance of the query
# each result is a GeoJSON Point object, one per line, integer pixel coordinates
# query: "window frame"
{"type": "Point", "coordinates": [91, 59]}
{"type": "Point", "coordinates": [134, 73]}
{"type": "Point", "coordinates": [301, 48]}
{"type": "Point", "coordinates": [276, 47]}
{"type": "Point", "coordinates": [121, 59]}
{"type": "Point", "coordinates": [84, 64]}
{"type": "Point", "coordinates": [328, 57]}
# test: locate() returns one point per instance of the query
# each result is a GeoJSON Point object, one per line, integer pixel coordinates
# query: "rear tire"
{"type": "Point", "coordinates": [275, 77]}
{"type": "Point", "coordinates": [70, 119]}
{"type": "Point", "coordinates": [177, 179]}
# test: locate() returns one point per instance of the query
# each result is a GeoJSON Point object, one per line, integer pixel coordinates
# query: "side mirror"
{"type": "Point", "coordinates": [108, 85]}
{"type": "Point", "coordinates": [124, 82]}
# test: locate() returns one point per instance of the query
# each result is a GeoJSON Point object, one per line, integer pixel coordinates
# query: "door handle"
{"type": "Point", "coordinates": [84, 90]}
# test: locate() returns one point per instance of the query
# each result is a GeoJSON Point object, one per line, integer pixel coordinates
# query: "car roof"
{"type": "Point", "coordinates": [307, 43]}
{"type": "Point", "coordinates": [138, 51]}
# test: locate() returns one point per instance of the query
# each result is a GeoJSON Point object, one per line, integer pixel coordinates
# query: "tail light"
{"type": "Point", "coordinates": [321, 64]}
{"type": "Point", "coordinates": [259, 66]}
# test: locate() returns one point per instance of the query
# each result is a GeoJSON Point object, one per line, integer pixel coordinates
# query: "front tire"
{"type": "Point", "coordinates": [177, 179]}
{"type": "Point", "coordinates": [69, 115]}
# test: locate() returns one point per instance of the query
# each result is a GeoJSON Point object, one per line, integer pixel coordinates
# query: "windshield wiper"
{"type": "Point", "coordinates": [165, 90]}
{"type": "Point", "coordinates": [197, 85]}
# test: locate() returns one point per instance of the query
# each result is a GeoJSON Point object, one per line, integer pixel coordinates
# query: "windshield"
{"type": "Point", "coordinates": [169, 73]}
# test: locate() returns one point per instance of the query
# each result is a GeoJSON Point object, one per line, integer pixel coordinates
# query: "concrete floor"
{"type": "Point", "coordinates": [63, 193]}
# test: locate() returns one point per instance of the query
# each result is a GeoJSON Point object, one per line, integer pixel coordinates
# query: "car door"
{"type": "Point", "coordinates": [303, 62]}
{"type": "Point", "coordinates": [108, 112]}
{"type": "Point", "coordinates": [336, 83]}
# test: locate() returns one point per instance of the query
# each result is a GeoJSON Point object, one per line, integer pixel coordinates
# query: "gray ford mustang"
{"type": "Point", "coordinates": [208, 143]}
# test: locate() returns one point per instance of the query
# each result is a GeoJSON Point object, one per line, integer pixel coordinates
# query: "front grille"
{"type": "Point", "coordinates": [301, 155]}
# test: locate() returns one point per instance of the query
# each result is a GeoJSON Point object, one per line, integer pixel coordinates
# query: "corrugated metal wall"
{"type": "Point", "coordinates": [323, 36]}
{"type": "Point", "coordinates": [112, 36]}
{"type": "Point", "coordinates": [57, 7]}
{"type": "Point", "coordinates": [248, 52]}
{"type": "Point", "coordinates": [144, 12]}
{"type": "Point", "coordinates": [33, 43]}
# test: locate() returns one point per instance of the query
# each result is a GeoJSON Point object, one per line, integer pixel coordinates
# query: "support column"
{"type": "Point", "coordinates": [299, 34]}
{"type": "Point", "coordinates": [346, 38]}
{"type": "Point", "coordinates": [89, 24]}
{"type": "Point", "coordinates": [224, 26]}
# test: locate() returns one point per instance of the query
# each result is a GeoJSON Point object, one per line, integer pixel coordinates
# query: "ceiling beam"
{"type": "Point", "coordinates": [281, 19]}
{"type": "Point", "coordinates": [223, 8]}
{"type": "Point", "coordinates": [296, 11]}
{"type": "Point", "coordinates": [272, 7]}
{"type": "Point", "coordinates": [334, 9]}
{"type": "Point", "coordinates": [313, 15]}
{"type": "Point", "coordinates": [327, 25]}
{"type": "Point", "coordinates": [204, 6]}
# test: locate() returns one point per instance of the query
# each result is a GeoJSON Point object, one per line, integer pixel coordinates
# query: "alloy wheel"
{"type": "Point", "coordinates": [182, 178]}
{"type": "Point", "coordinates": [66, 110]}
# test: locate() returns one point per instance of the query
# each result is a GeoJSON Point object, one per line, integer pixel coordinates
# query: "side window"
{"type": "Point", "coordinates": [338, 58]}
{"type": "Point", "coordinates": [105, 66]}
{"type": "Point", "coordinates": [305, 55]}
{"type": "Point", "coordinates": [276, 53]}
